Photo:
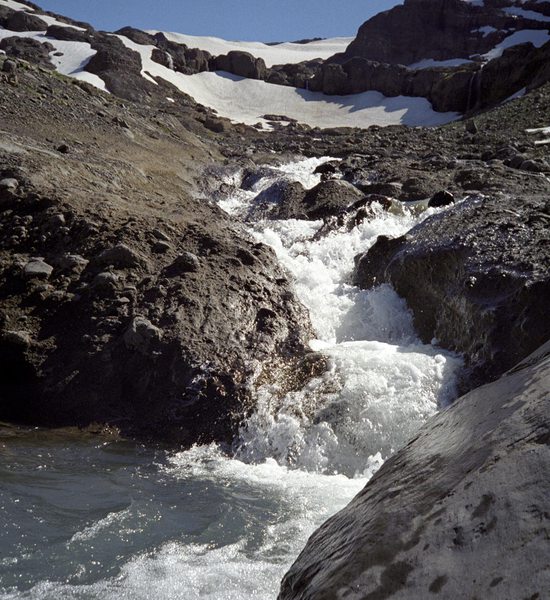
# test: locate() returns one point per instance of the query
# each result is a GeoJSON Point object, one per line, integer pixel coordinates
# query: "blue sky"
{"type": "Point", "coordinates": [265, 20]}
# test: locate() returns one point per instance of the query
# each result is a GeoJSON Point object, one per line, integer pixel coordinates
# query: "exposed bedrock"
{"type": "Point", "coordinates": [442, 29]}
{"type": "Point", "coordinates": [158, 331]}
{"type": "Point", "coordinates": [28, 49]}
{"type": "Point", "coordinates": [16, 20]}
{"type": "Point", "coordinates": [475, 277]}
{"type": "Point", "coordinates": [124, 300]}
{"type": "Point", "coordinates": [241, 64]}
{"type": "Point", "coordinates": [119, 67]}
{"type": "Point", "coordinates": [461, 512]}
{"type": "Point", "coordinates": [459, 89]}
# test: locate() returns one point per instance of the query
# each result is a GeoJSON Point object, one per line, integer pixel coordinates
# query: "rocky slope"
{"type": "Point", "coordinates": [124, 299]}
{"type": "Point", "coordinates": [483, 268]}
{"type": "Point", "coordinates": [460, 512]}
{"type": "Point", "coordinates": [128, 299]}
{"type": "Point", "coordinates": [461, 56]}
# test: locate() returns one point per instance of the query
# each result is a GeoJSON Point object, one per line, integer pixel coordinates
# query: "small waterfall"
{"type": "Point", "coordinates": [474, 90]}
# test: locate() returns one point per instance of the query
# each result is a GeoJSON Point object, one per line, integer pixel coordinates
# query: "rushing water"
{"type": "Point", "coordinates": [91, 517]}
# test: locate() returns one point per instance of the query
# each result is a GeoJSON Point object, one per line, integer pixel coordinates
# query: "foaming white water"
{"type": "Point", "coordinates": [201, 524]}
{"type": "Point", "coordinates": [382, 382]}
{"type": "Point", "coordinates": [373, 398]}
{"type": "Point", "coordinates": [239, 203]}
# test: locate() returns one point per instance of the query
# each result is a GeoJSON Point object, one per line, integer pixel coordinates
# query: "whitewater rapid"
{"type": "Point", "coordinates": [106, 520]}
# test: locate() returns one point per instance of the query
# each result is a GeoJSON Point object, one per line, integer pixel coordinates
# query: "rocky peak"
{"type": "Point", "coordinates": [440, 30]}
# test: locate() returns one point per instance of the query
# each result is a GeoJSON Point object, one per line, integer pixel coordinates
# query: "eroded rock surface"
{"type": "Point", "coordinates": [461, 512]}
{"type": "Point", "coordinates": [476, 278]}
{"type": "Point", "coordinates": [125, 300]}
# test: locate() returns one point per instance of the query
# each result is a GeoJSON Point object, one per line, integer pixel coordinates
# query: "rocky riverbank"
{"type": "Point", "coordinates": [129, 300]}
{"type": "Point", "coordinates": [125, 299]}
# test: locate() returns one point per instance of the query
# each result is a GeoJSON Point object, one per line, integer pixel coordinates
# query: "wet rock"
{"type": "Point", "coordinates": [456, 513]}
{"type": "Point", "coordinates": [328, 168]}
{"type": "Point", "coordinates": [281, 200]}
{"type": "Point", "coordinates": [443, 198]}
{"type": "Point", "coordinates": [475, 278]}
{"type": "Point", "coordinates": [330, 198]}
{"type": "Point", "coordinates": [390, 189]}
{"type": "Point", "coordinates": [37, 269]}
{"type": "Point", "coordinates": [141, 335]}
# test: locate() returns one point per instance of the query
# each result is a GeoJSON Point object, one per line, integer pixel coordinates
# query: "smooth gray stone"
{"type": "Point", "coordinates": [463, 511]}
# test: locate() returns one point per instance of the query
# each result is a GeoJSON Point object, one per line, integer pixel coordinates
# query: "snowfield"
{"type": "Point", "coordinates": [247, 100]}
{"type": "Point", "coordinates": [279, 54]}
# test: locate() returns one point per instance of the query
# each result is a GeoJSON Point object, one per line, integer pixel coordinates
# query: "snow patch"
{"type": "Point", "coordinates": [537, 37]}
{"type": "Point", "coordinates": [428, 63]}
{"type": "Point", "coordinates": [246, 100]}
{"type": "Point", "coordinates": [527, 14]}
{"type": "Point", "coordinates": [16, 5]}
{"type": "Point", "coordinates": [279, 54]}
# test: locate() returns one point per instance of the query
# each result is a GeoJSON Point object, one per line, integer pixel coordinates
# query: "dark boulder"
{"type": "Point", "coordinates": [458, 513]}
{"type": "Point", "coordinates": [282, 200]}
{"type": "Point", "coordinates": [442, 198]}
{"type": "Point", "coordinates": [241, 64]}
{"type": "Point", "coordinates": [119, 67]}
{"type": "Point", "coordinates": [290, 200]}
{"type": "Point", "coordinates": [20, 20]}
{"type": "Point", "coordinates": [137, 36]}
{"type": "Point", "coordinates": [162, 58]}
{"type": "Point", "coordinates": [163, 346]}
{"type": "Point", "coordinates": [179, 57]}
{"type": "Point", "coordinates": [198, 60]}
{"type": "Point", "coordinates": [422, 29]}
{"type": "Point", "coordinates": [28, 49]}
{"type": "Point", "coordinates": [295, 75]}
{"type": "Point", "coordinates": [476, 278]}
{"type": "Point", "coordinates": [69, 34]}
{"type": "Point", "coordinates": [330, 198]}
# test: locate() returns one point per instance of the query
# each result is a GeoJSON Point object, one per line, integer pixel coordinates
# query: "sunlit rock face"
{"type": "Point", "coordinates": [459, 511]}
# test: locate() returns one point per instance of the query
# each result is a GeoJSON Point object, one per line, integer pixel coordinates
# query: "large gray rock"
{"type": "Point", "coordinates": [420, 29]}
{"type": "Point", "coordinates": [290, 200]}
{"type": "Point", "coordinates": [23, 21]}
{"type": "Point", "coordinates": [28, 49]}
{"type": "Point", "coordinates": [475, 277]}
{"type": "Point", "coordinates": [461, 512]}
{"type": "Point", "coordinates": [119, 67]}
{"type": "Point", "coordinates": [241, 64]}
